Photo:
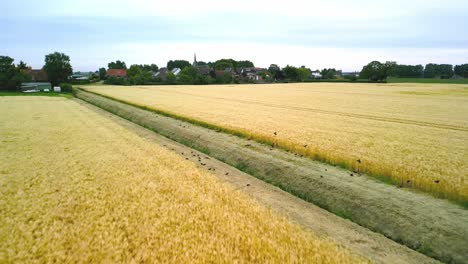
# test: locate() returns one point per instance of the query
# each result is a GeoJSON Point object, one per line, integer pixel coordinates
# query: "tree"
{"type": "Point", "coordinates": [154, 67]}
{"type": "Point", "coordinates": [10, 76]}
{"type": "Point", "coordinates": [438, 70]}
{"type": "Point", "coordinates": [374, 71]}
{"type": "Point", "coordinates": [181, 64]}
{"type": "Point", "coordinates": [391, 68]}
{"type": "Point", "coordinates": [244, 64]}
{"type": "Point", "coordinates": [408, 71]}
{"type": "Point", "coordinates": [290, 73]}
{"type": "Point", "coordinates": [149, 67]}
{"type": "Point", "coordinates": [22, 65]}
{"type": "Point", "coordinates": [279, 75]}
{"type": "Point", "coordinates": [170, 78]}
{"type": "Point", "coordinates": [58, 67]}
{"type": "Point", "coordinates": [133, 70]}
{"type": "Point", "coordinates": [7, 71]}
{"type": "Point", "coordinates": [461, 70]}
{"type": "Point", "coordinates": [120, 65]}
{"type": "Point", "coordinates": [102, 73]}
{"type": "Point", "coordinates": [273, 69]}
{"type": "Point", "coordinates": [188, 75]}
{"type": "Point", "coordinates": [138, 75]}
{"type": "Point", "coordinates": [225, 63]}
{"type": "Point", "coordinates": [303, 74]}
{"type": "Point", "coordinates": [328, 73]}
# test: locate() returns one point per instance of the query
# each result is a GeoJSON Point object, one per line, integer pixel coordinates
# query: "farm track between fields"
{"type": "Point", "coordinates": [435, 227]}
{"type": "Point", "coordinates": [321, 111]}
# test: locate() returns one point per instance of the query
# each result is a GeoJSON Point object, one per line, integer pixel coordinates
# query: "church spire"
{"type": "Point", "coordinates": [195, 64]}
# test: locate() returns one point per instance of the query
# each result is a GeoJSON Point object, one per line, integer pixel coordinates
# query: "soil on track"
{"type": "Point", "coordinates": [356, 238]}
{"type": "Point", "coordinates": [432, 226]}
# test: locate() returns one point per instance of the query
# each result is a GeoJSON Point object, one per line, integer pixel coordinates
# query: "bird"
{"type": "Point", "coordinates": [351, 174]}
{"type": "Point", "coordinates": [227, 173]}
{"type": "Point", "coordinates": [436, 181]}
{"type": "Point", "coordinates": [358, 161]}
{"type": "Point", "coordinates": [408, 181]}
{"type": "Point", "coordinates": [305, 146]}
{"type": "Point", "coordinates": [248, 184]}
{"type": "Point", "coordinates": [275, 133]}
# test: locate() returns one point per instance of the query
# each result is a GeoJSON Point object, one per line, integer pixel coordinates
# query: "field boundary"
{"type": "Point", "coordinates": [434, 227]}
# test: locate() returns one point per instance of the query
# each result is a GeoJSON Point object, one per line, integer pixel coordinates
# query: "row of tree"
{"type": "Point", "coordinates": [377, 71]}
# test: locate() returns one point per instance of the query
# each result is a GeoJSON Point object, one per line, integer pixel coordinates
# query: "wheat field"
{"type": "Point", "coordinates": [77, 186]}
{"type": "Point", "coordinates": [414, 135]}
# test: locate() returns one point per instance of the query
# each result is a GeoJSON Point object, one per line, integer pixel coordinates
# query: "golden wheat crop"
{"type": "Point", "coordinates": [413, 134]}
{"type": "Point", "coordinates": [76, 186]}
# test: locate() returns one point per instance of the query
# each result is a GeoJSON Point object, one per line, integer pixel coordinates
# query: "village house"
{"type": "Point", "coordinates": [80, 76]}
{"type": "Point", "coordinates": [36, 75]}
{"type": "Point", "coordinates": [176, 71]}
{"type": "Point", "coordinates": [315, 74]}
{"type": "Point", "coordinates": [250, 73]}
{"type": "Point", "coordinates": [121, 73]}
{"type": "Point", "coordinates": [162, 73]}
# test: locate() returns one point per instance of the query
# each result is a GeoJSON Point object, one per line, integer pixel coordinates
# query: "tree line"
{"type": "Point", "coordinates": [58, 68]}
{"type": "Point", "coordinates": [377, 71]}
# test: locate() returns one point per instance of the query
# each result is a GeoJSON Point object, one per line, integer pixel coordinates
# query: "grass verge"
{"type": "Point", "coordinates": [50, 94]}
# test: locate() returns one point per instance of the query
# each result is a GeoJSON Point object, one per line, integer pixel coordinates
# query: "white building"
{"type": "Point", "coordinates": [176, 71]}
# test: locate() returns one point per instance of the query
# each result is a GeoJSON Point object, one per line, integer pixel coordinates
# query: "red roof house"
{"type": "Point", "coordinates": [36, 75]}
{"type": "Point", "coordinates": [116, 73]}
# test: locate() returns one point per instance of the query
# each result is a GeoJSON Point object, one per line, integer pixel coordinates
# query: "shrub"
{"type": "Point", "coordinates": [80, 81]}
{"type": "Point", "coordinates": [116, 81]}
{"type": "Point", "coordinates": [66, 87]}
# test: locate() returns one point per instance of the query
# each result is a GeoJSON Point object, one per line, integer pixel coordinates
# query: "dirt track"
{"type": "Point", "coordinates": [435, 227]}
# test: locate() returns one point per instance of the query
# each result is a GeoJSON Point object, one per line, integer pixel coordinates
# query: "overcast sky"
{"type": "Point", "coordinates": [318, 34]}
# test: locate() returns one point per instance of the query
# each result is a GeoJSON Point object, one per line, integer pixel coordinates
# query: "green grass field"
{"type": "Point", "coordinates": [66, 95]}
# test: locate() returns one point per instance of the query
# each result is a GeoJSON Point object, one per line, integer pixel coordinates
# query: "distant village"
{"type": "Point", "coordinates": [221, 71]}
{"type": "Point", "coordinates": [57, 73]}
